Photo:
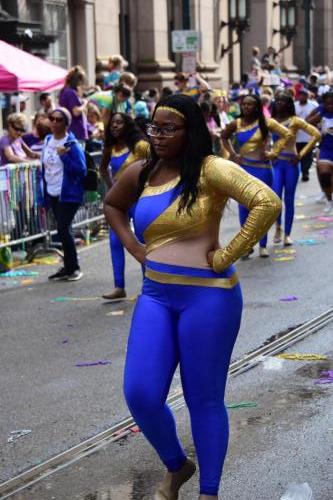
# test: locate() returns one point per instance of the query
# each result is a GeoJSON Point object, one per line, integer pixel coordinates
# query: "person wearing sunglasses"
{"type": "Point", "coordinates": [64, 169]}
{"type": "Point", "coordinates": [12, 147]}
{"type": "Point", "coordinates": [124, 144]}
{"type": "Point", "coordinates": [190, 308]}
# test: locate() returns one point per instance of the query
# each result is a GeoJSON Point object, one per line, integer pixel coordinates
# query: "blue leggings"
{"type": "Point", "coordinates": [265, 175]}
{"type": "Point", "coordinates": [118, 259]}
{"type": "Point", "coordinates": [285, 179]}
{"type": "Point", "coordinates": [195, 327]}
{"type": "Point", "coordinates": [118, 256]}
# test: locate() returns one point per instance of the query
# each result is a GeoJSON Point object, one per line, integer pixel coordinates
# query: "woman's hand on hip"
{"type": "Point", "coordinates": [139, 253]}
{"type": "Point", "coordinates": [210, 257]}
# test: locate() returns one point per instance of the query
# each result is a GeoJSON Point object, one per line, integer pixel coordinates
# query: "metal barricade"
{"type": "Point", "coordinates": [23, 218]}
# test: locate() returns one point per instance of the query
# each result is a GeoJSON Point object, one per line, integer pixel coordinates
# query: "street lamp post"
{"type": "Point", "coordinates": [239, 13]}
{"type": "Point", "coordinates": [288, 10]}
{"type": "Point", "coordinates": [308, 6]}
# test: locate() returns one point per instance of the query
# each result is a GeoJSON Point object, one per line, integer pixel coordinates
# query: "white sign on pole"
{"type": "Point", "coordinates": [185, 41]}
{"type": "Point", "coordinates": [189, 62]}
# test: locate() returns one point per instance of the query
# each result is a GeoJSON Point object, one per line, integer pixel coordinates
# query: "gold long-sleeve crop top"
{"type": "Point", "coordinates": [141, 152]}
{"type": "Point", "coordinates": [294, 124]}
{"type": "Point", "coordinates": [220, 179]}
{"type": "Point", "coordinates": [250, 138]}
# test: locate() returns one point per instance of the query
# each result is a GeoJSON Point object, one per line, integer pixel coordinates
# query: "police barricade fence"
{"type": "Point", "coordinates": [24, 219]}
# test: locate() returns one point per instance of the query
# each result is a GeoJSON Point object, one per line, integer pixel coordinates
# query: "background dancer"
{"type": "Point", "coordinates": [286, 166]}
{"type": "Point", "coordinates": [124, 145]}
{"type": "Point", "coordinates": [324, 116]}
{"type": "Point", "coordinates": [190, 308]}
{"type": "Point", "coordinates": [250, 135]}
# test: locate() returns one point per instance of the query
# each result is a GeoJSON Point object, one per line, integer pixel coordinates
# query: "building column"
{"type": "Point", "coordinates": [264, 18]}
{"type": "Point", "coordinates": [83, 37]}
{"type": "Point", "coordinates": [153, 64]}
{"type": "Point", "coordinates": [205, 23]}
{"type": "Point", "coordinates": [107, 28]}
{"type": "Point", "coordinates": [323, 27]}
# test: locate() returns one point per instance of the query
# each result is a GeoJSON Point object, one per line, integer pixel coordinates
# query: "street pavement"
{"type": "Point", "coordinates": [285, 438]}
{"type": "Point", "coordinates": [48, 328]}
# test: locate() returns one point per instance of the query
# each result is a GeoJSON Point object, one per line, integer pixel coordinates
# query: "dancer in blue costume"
{"type": "Point", "coordinates": [124, 145]}
{"type": "Point", "coordinates": [250, 148]}
{"type": "Point", "coordinates": [190, 308]}
{"type": "Point", "coordinates": [286, 166]}
{"type": "Point", "coordinates": [324, 117]}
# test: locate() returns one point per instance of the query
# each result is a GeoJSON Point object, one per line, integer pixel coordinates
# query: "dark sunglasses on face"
{"type": "Point", "coordinates": [18, 129]}
{"type": "Point", "coordinates": [57, 119]}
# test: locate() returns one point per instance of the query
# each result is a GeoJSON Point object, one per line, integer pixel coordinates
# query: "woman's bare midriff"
{"type": "Point", "coordinates": [258, 155]}
{"type": "Point", "coordinates": [189, 252]}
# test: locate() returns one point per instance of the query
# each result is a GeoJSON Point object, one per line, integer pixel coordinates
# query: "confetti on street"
{"type": "Point", "coordinates": [302, 357]}
{"type": "Point", "coordinates": [93, 363]}
{"type": "Point", "coordinates": [288, 298]}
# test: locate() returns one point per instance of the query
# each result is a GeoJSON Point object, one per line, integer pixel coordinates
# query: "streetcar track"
{"type": "Point", "coordinates": [176, 401]}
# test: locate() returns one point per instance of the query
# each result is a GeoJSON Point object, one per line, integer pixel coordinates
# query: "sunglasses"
{"type": "Point", "coordinates": [57, 119]}
{"type": "Point", "coordinates": [18, 129]}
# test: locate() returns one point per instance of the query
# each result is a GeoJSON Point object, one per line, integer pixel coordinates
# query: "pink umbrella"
{"type": "Point", "coordinates": [21, 71]}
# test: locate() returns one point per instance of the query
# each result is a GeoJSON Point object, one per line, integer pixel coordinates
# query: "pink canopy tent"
{"type": "Point", "coordinates": [21, 71]}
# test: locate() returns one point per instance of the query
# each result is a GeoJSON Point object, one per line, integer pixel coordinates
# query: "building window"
{"type": "Point", "coordinates": [56, 23]}
{"type": "Point", "coordinates": [30, 10]}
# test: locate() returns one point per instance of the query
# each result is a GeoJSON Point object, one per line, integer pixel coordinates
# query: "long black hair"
{"type": "Point", "coordinates": [290, 106]}
{"type": "Point", "coordinates": [198, 145]}
{"type": "Point", "coordinates": [259, 114]}
{"type": "Point", "coordinates": [132, 133]}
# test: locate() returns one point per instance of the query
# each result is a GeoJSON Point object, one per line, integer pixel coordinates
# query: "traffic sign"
{"type": "Point", "coordinates": [185, 41]}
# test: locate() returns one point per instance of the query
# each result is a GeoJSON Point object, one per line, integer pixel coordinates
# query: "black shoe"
{"type": "Point", "coordinates": [61, 274]}
{"type": "Point", "coordinates": [74, 276]}
{"type": "Point", "coordinates": [305, 178]}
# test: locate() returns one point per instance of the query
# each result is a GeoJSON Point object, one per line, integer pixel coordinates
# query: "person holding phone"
{"type": "Point", "coordinates": [64, 169]}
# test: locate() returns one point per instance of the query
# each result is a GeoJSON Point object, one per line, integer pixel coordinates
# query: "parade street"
{"type": "Point", "coordinates": [61, 363]}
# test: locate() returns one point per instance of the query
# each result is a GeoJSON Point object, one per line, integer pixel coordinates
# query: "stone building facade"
{"type": "Point", "coordinates": [68, 32]}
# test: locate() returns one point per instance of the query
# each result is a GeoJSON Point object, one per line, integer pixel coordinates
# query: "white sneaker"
{"type": "Point", "coordinates": [328, 207]}
{"type": "Point", "coordinates": [75, 276]}
{"type": "Point", "coordinates": [321, 199]}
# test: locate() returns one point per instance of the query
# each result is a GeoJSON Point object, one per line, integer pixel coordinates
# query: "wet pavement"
{"type": "Point", "coordinates": [285, 438]}
{"type": "Point", "coordinates": [46, 329]}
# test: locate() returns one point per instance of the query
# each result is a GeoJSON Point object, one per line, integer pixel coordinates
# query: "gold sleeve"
{"type": "Point", "coordinates": [283, 132]}
{"type": "Point", "coordinates": [142, 150]}
{"type": "Point", "coordinates": [308, 129]}
{"type": "Point", "coordinates": [229, 180]}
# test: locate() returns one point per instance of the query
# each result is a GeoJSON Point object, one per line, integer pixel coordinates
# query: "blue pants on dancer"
{"type": "Point", "coordinates": [118, 256]}
{"type": "Point", "coordinates": [193, 326]}
{"type": "Point", "coordinates": [263, 171]}
{"type": "Point", "coordinates": [286, 176]}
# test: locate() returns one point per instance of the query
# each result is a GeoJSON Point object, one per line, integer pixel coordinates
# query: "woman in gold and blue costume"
{"type": "Point", "coordinates": [190, 308]}
{"type": "Point", "coordinates": [250, 149]}
{"type": "Point", "coordinates": [124, 145]}
{"type": "Point", "coordinates": [286, 166]}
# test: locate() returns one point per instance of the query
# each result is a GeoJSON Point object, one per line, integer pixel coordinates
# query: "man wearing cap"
{"type": "Point", "coordinates": [303, 108]}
